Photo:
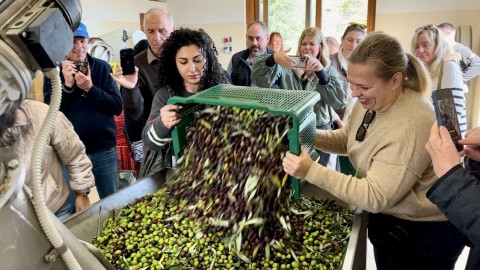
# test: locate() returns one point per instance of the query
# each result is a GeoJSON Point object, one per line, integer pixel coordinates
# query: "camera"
{"type": "Point", "coordinates": [299, 61]}
{"type": "Point", "coordinates": [82, 67]}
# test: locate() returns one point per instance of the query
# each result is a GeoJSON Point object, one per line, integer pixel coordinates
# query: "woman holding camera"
{"type": "Point", "coordinates": [385, 141]}
{"type": "Point", "coordinates": [314, 74]}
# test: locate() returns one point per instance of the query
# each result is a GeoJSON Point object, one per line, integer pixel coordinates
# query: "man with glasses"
{"type": "Point", "coordinates": [139, 88]}
{"type": "Point", "coordinates": [240, 67]}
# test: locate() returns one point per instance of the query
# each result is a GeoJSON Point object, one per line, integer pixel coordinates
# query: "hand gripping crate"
{"type": "Point", "coordinates": [297, 104]}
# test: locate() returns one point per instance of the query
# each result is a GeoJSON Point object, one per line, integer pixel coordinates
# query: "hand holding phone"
{"type": "Point", "coordinates": [299, 61]}
{"type": "Point", "coordinates": [447, 114]}
{"type": "Point", "coordinates": [127, 61]}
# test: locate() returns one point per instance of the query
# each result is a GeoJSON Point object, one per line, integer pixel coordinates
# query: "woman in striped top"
{"type": "Point", "coordinates": [430, 46]}
{"type": "Point", "coordinates": [188, 65]}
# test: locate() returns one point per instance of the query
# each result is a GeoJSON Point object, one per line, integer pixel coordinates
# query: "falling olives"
{"type": "Point", "coordinates": [229, 206]}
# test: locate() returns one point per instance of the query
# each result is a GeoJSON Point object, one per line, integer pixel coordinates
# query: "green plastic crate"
{"type": "Point", "coordinates": [296, 104]}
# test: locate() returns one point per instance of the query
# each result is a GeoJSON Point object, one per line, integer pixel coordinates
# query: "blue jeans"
{"type": "Point", "coordinates": [105, 170]}
{"type": "Point", "coordinates": [68, 208]}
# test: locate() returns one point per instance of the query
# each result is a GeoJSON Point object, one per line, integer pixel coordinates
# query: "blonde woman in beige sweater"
{"type": "Point", "coordinates": [385, 141]}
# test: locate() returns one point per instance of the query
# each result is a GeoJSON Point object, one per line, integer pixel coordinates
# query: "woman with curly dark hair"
{"type": "Point", "coordinates": [189, 64]}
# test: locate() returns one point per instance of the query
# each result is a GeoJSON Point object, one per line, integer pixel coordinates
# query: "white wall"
{"type": "Point", "coordinates": [416, 6]}
{"type": "Point", "coordinates": [104, 16]}
{"type": "Point", "coordinates": [219, 18]}
{"type": "Point", "coordinates": [207, 11]}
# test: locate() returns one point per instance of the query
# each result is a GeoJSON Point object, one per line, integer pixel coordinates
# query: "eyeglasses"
{"type": "Point", "coordinates": [362, 129]}
{"type": "Point", "coordinates": [427, 27]}
{"type": "Point", "coordinates": [355, 24]}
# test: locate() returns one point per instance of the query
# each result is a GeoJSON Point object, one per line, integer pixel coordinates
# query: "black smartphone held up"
{"type": "Point", "coordinates": [126, 61]}
{"type": "Point", "coordinates": [299, 61]}
{"type": "Point", "coordinates": [447, 114]}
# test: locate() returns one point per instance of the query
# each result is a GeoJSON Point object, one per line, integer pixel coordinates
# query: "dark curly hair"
{"type": "Point", "coordinates": [168, 72]}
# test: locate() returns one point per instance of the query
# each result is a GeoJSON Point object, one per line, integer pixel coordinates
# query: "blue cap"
{"type": "Point", "coordinates": [81, 31]}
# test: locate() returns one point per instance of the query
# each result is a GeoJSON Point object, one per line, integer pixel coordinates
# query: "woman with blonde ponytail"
{"type": "Point", "coordinates": [385, 141]}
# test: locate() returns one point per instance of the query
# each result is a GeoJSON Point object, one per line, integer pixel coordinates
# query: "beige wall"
{"type": "Point", "coordinates": [98, 28]}
{"type": "Point", "coordinates": [219, 18]}
{"type": "Point", "coordinates": [403, 26]}
{"type": "Point", "coordinates": [102, 17]}
{"type": "Point", "coordinates": [218, 31]}
{"type": "Point", "coordinates": [105, 16]}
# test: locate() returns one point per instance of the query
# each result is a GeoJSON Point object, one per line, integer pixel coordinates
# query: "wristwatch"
{"type": "Point", "coordinates": [67, 89]}
{"type": "Point", "coordinates": [82, 192]}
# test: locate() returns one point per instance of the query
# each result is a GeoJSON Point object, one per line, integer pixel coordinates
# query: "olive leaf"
{"type": "Point", "coordinates": [283, 222]}
{"type": "Point", "coordinates": [250, 185]}
{"type": "Point", "coordinates": [220, 223]}
{"type": "Point", "coordinates": [243, 257]}
{"type": "Point", "coordinates": [254, 221]}
{"type": "Point", "coordinates": [214, 258]}
{"type": "Point", "coordinates": [267, 251]}
{"type": "Point", "coordinates": [294, 255]}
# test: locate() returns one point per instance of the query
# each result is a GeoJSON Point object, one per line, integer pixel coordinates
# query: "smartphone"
{"type": "Point", "coordinates": [299, 61]}
{"type": "Point", "coordinates": [126, 61]}
{"type": "Point", "coordinates": [447, 114]}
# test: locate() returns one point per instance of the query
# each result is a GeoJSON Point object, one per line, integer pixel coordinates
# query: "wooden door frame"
{"type": "Point", "coordinates": [253, 11]}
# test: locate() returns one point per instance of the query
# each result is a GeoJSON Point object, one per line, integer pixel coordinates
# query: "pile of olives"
{"type": "Point", "coordinates": [228, 206]}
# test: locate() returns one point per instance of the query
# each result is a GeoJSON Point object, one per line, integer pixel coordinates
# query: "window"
{"type": "Point", "coordinates": [337, 14]}
{"type": "Point", "coordinates": [287, 17]}
{"type": "Point", "coordinates": [291, 17]}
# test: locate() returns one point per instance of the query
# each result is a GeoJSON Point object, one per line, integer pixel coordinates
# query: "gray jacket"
{"type": "Point", "coordinates": [331, 93]}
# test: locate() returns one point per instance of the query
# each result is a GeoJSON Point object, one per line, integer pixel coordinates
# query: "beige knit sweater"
{"type": "Point", "coordinates": [394, 171]}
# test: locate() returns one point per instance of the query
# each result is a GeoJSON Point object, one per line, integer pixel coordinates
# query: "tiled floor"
{"type": "Point", "coordinates": [462, 261]}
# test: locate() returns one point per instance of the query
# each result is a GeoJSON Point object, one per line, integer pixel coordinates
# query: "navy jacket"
{"type": "Point", "coordinates": [240, 73]}
{"type": "Point", "coordinates": [456, 193]}
{"type": "Point", "coordinates": [92, 114]}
